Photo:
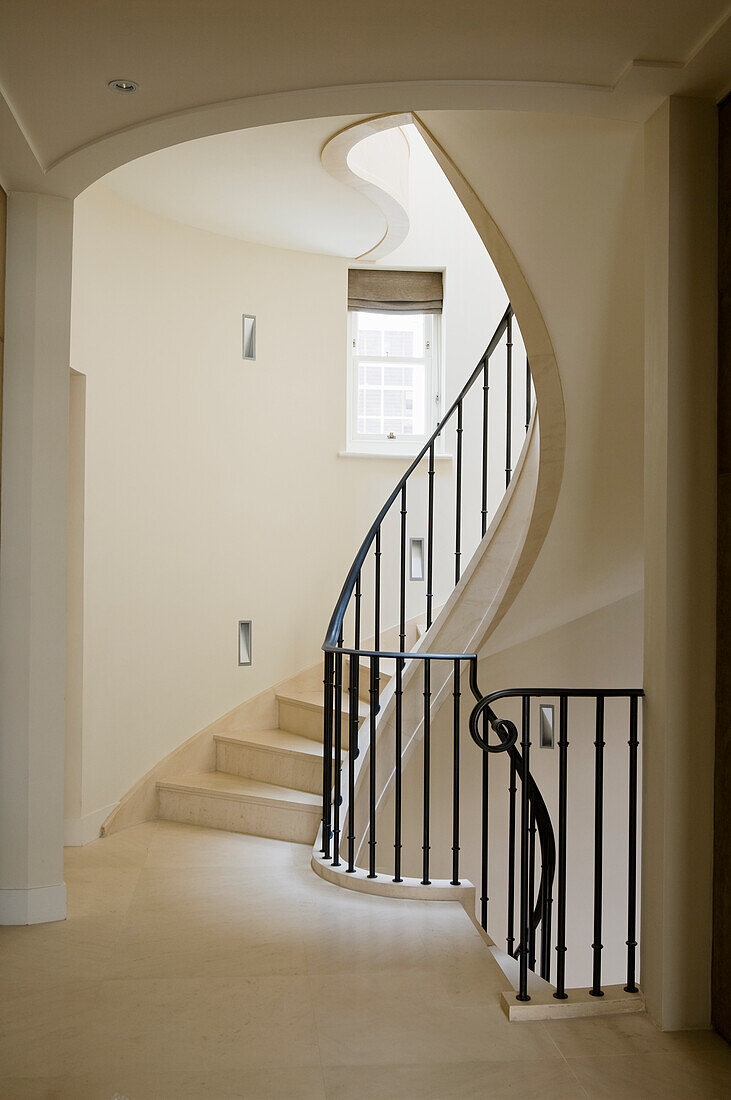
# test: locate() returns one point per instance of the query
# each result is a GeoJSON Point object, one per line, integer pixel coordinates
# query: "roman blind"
{"type": "Point", "coordinates": [374, 291]}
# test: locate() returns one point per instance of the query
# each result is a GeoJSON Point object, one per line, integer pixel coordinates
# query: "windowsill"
{"type": "Point", "coordinates": [393, 454]}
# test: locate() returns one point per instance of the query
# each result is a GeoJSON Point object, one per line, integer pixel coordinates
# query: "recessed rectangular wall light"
{"type": "Point", "coordinates": [546, 726]}
{"type": "Point", "coordinates": [416, 559]}
{"type": "Point", "coordinates": [249, 336]}
{"type": "Point", "coordinates": [245, 642]}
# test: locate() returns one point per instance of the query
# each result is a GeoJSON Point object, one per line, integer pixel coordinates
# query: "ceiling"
{"type": "Point", "coordinates": [265, 185]}
{"type": "Point", "coordinates": [223, 65]}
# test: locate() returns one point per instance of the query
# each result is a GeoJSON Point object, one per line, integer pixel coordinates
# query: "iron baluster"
{"type": "Point", "coordinates": [485, 415]}
{"type": "Point", "coordinates": [327, 754]}
{"type": "Point", "coordinates": [455, 774]}
{"type": "Point", "coordinates": [509, 404]}
{"type": "Point", "coordinates": [563, 744]}
{"type": "Point", "coordinates": [430, 542]}
{"type": "Point", "coordinates": [512, 791]}
{"type": "Point", "coordinates": [525, 915]}
{"type": "Point", "coordinates": [458, 502]}
{"type": "Point", "coordinates": [373, 710]}
{"type": "Point", "coordinates": [631, 986]}
{"type": "Point", "coordinates": [397, 774]}
{"type": "Point", "coordinates": [425, 846]}
{"type": "Point", "coordinates": [338, 754]}
{"type": "Point", "coordinates": [354, 673]}
{"type": "Point", "coordinates": [596, 990]}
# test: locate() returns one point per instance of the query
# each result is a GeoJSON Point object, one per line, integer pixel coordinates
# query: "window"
{"type": "Point", "coordinates": [393, 380]}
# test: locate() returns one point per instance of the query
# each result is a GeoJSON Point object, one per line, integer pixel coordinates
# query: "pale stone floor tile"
{"type": "Point", "coordinates": [251, 1083]}
{"type": "Point", "coordinates": [199, 963]}
{"type": "Point", "coordinates": [405, 1017]}
{"type": "Point", "coordinates": [464, 1081]}
{"type": "Point", "coordinates": [670, 1076]}
{"type": "Point", "coordinates": [169, 1025]}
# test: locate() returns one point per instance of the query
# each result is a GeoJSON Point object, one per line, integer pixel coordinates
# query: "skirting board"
{"type": "Point", "coordinates": [78, 831]}
{"type": "Point", "coordinates": [39, 905]}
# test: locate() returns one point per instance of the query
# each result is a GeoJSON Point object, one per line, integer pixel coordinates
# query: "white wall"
{"type": "Point", "coordinates": [214, 490]}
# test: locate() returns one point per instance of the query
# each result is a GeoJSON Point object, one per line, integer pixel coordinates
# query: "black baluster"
{"type": "Point", "coordinates": [485, 411]}
{"type": "Point", "coordinates": [373, 711]}
{"type": "Point", "coordinates": [338, 699]}
{"type": "Point", "coordinates": [485, 830]}
{"type": "Point", "coordinates": [356, 644]}
{"type": "Point", "coordinates": [377, 616]}
{"type": "Point", "coordinates": [353, 694]}
{"type": "Point", "coordinates": [430, 542]}
{"type": "Point", "coordinates": [402, 582]}
{"type": "Point", "coordinates": [455, 775]}
{"type": "Point", "coordinates": [532, 880]}
{"type": "Point", "coordinates": [509, 403]}
{"type": "Point", "coordinates": [524, 837]}
{"type": "Point", "coordinates": [631, 986]}
{"type": "Point", "coordinates": [596, 990]}
{"type": "Point", "coordinates": [527, 394]}
{"type": "Point", "coordinates": [563, 744]}
{"type": "Point", "coordinates": [425, 847]}
{"type": "Point", "coordinates": [397, 781]}
{"type": "Point", "coordinates": [458, 509]}
{"type": "Point", "coordinates": [327, 753]}
{"type": "Point", "coordinates": [512, 790]}
{"type": "Point", "coordinates": [546, 932]}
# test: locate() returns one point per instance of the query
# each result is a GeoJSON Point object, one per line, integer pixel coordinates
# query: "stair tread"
{"type": "Point", "coordinates": [222, 783]}
{"type": "Point", "coordinates": [281, 740]}
{"type": "Point", "coordinates": [314, 700]}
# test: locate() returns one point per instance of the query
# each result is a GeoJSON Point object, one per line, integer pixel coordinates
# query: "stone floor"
{"type": "Point", "coordinates": [197, 963]}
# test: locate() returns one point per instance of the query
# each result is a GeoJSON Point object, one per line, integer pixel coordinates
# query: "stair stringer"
{"type": "Point", "coordinates": [488, 586]}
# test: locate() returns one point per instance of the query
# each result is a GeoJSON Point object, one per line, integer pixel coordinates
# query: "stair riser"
{"type": "Point", "coordinates": [306, 721]}
{"type": "Point", "coordinates": [293, 770]}
{"type": "Point", "coordinates": [364, 681]}
{"type": "Point", "coordinates": [257, 819]}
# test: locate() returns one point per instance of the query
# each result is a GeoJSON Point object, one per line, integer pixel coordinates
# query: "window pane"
{"type": "Point", "coordinates": [373, 374]}
{"type": "Point", "coordinates": [392, 334]}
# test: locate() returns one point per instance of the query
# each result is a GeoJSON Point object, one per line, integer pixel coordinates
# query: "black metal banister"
{"type": "Point", "coordinates": [534, 858]}
{"type": "Point", "coordinates": [333, 630]}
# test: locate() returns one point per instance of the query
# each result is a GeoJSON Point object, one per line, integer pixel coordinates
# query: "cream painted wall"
{"type": "Point", "coordinates": [567, 195]}
{"type": "Point", "coordinates": [214, 490]}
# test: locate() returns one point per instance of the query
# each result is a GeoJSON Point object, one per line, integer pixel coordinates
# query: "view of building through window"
{"type": "Point", "coordinates": [392, 366]}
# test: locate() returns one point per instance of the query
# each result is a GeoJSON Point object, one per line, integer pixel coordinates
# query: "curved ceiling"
{"type": "Point", "coordinates": [223, 65]}
{"type": "Point", "coordinates": [266, 185]}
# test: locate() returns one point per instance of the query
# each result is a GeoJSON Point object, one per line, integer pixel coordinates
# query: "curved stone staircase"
{"type": "Point", "coordinates": [267, 782]}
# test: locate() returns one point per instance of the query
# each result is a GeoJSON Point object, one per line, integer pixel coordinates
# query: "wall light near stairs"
{"type": "Point", "coordinates": [245, 641]}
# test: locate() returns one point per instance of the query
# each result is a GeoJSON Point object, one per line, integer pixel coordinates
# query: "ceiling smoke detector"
{"type": "Point", "coordinates": [125, 86]}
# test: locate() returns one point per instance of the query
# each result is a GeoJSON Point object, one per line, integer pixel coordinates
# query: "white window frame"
{"type": "Point", "coordinates": [358, 443]}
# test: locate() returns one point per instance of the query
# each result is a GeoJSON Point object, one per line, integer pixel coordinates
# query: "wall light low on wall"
{"type": "Point", "coordinates": [416, 559]}
{"type": "Point", "coordinates": [249, 336]}
{"type": "Point", "coordinates": [245, 642]}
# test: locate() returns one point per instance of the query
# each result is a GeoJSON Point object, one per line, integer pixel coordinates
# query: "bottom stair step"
{"type": "Point", "coordinates": [218, 800]}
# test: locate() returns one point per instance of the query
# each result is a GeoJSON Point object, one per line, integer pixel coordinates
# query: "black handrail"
{"type": "Point", "coordinates": [336, 621]}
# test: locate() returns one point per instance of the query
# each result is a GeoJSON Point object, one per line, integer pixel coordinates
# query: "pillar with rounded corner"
{"type": "Point", "coordinates": [680, 533]}
{"type": "Point", "coordinates": [33, 558]}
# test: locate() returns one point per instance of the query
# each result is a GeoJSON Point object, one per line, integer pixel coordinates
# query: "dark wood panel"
{"type": "Point", "coordinates": [721, 978]}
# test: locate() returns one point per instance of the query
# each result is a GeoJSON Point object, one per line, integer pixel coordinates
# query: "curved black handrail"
{"type": "Point", "coordinates": [330, 645]}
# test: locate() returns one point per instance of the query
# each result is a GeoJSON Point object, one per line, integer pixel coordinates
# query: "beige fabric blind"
{"type": "Point", "coordinates": [377, 291]}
